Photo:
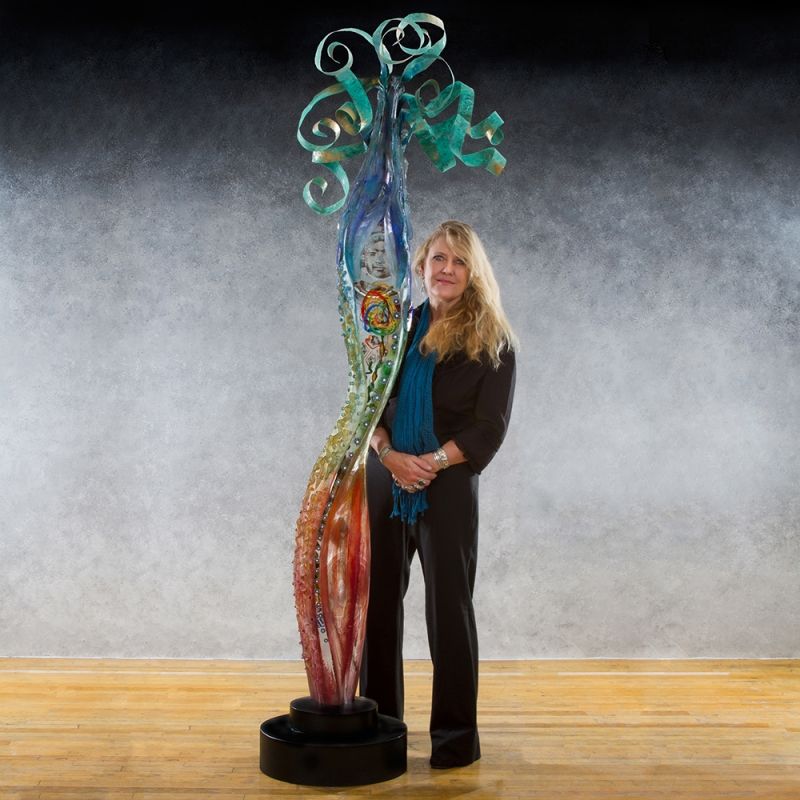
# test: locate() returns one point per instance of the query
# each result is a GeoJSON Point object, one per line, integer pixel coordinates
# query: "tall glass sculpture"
{"type": "Point", "coordinates": [332, 545]}
{"type": "Point", "coordinates": [331, 566]}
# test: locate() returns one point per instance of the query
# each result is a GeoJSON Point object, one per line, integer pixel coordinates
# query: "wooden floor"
{"type": "Point", "coordinates": [186, 730]}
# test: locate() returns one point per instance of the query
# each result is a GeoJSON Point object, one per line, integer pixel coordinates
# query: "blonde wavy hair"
{"type": "Point", "coordinates": [477, 324]}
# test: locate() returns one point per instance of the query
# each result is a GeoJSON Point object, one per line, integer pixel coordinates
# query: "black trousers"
{"type": "Point", "coordinates": [446, 538]}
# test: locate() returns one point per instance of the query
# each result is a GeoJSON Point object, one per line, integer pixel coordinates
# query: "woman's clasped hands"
{"type": "Point", "coordinates": [409, 471]}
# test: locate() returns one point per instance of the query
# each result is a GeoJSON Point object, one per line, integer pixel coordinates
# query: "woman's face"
{"type": "Point", "coordinates": [444, 274]}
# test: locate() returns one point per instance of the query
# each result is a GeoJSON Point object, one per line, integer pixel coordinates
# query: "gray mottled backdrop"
{"type": "Point", "coordinates": [171, 362]}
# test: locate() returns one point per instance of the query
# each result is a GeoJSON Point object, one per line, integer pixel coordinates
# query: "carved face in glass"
{"type": "Point", "coordinates": [373, 260]}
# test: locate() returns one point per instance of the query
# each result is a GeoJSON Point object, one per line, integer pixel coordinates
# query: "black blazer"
{"type": "Point", "coordinates": [471, 402]}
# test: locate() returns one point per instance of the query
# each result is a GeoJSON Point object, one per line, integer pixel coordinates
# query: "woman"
{"type": "Point", "coordinates": [444, 422]}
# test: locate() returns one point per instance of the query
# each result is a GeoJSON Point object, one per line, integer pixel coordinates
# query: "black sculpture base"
{"type": "Point", "coordinates": [318, 745]}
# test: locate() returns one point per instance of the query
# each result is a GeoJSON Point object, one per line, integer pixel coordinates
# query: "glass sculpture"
{"type": "Point", "coordinates": [332, 552]}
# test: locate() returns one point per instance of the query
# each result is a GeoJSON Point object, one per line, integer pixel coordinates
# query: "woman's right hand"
{"type": "Point", "coordinates": [408, 468]}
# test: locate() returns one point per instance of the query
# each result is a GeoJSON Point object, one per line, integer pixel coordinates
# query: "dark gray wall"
{"type": "Point", "coordinates": [171, 363]}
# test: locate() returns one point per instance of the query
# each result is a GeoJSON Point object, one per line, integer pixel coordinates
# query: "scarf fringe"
{"type": "Point", "coordinates": [407, 505]}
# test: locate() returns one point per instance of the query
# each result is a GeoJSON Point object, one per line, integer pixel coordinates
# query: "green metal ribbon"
{"type": "Point", "coordinates": [442, 142]}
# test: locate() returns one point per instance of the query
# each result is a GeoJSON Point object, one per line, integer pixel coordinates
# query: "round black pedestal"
{"type": "Point", "coordinates": [319, 745]}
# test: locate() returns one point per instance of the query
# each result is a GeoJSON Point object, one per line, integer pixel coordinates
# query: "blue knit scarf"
{"type": "Point", "coordinates": [412, 431]}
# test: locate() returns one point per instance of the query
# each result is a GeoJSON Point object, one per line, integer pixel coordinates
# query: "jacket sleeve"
{"type": "Point", "coordinates": [481, 440]}
{"type": "Point", "coordinates": [383, 422]}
